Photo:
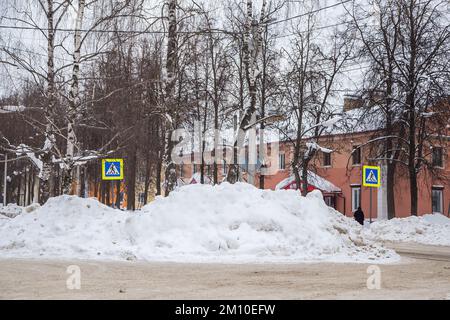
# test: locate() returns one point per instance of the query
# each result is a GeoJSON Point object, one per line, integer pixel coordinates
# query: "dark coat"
{"type": "Point", "coordinates": [359, 216]}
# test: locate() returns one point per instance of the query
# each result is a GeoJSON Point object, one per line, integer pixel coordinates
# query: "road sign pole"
{"type": "Point", "coordinates": [112, 194]}
{"type": "Point", "coordinates": [370, 211]}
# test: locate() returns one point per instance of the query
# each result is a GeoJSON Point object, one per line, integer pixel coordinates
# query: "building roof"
{"type": "Point", "coordinates": [196, 178]}
{"type": "Point", "coordinates": [314, 180]}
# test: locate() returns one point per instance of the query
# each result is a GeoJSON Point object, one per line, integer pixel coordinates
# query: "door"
{"type": "Point", "coordinates": [437, 197]}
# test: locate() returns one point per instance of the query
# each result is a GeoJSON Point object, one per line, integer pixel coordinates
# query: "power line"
{"type": "Point", "coordinates": [310, 12]}
{"type": "Point", "coordinates": [118, 31]}
{"type": "Point", "coordinates": [166, 32]}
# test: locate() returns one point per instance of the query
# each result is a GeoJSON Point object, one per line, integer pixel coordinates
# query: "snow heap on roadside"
{"type": "Point", "coordinates": [432, 229]}
{"type": "Point", "coordinates": [65, 227]}
{"type": "Point", "coordinates": [197, 223]}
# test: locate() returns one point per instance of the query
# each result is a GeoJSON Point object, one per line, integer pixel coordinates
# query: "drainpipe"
{"type": "Point", "coordinates": [341, 196]}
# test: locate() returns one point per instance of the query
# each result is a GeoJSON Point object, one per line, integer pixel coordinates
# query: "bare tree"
{"type": "Point", "coordinates": [408, 47]}
{"type": "Point", "coordinates": [251, 48]}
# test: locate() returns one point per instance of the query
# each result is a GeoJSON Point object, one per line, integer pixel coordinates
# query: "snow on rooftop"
{"type": "Point", "coordinates": [314, 180]}
{"type": "Point", "coordinates": [196, 178]}
{"type": "Point", "coordinates": [11, 109]}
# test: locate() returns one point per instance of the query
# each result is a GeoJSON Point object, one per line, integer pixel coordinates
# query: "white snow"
{"type": "Point", "coordinates": [197, 223]}
{"type": "Point", "coordinates": [432, 229]}
{"type": "Point", "coordinates": [65, 227]}
{"type": "Point", "coordinates": [196, 178]}
{"type": "Point", "coordinates": [11, 109]}
{"type": "Point", "coordinates": [11, 210]}
{"type": "Point", "coordinates": [24, 149]}
{"type": "Point", "coordinates": [313, 179]}
{"type": "Point", "coordinates": [314, 146]}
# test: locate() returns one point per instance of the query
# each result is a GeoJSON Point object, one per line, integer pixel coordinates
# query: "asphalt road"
{"type": "Point", "coordinates": [423, 273]}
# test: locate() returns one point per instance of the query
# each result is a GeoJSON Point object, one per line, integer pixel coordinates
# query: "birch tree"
{"type": "Point", "coordinates": [170, 172]}
{"type": "Point", "coordinates": [251, 51]}
{"type": "Point", "coordinates": [408, 48]}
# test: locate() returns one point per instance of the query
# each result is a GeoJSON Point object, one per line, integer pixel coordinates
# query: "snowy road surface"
{"type": "Point", "coordinates": [424, 278]}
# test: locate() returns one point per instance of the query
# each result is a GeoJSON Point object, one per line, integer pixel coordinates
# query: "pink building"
{"type": "Point", "coordinates": [339, 176]}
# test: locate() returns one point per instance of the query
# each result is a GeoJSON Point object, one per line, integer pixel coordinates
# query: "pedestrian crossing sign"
{"type": "Point", "coordinates": [371, 176]}
{"type": "Point", "coordinates": [112, 169]}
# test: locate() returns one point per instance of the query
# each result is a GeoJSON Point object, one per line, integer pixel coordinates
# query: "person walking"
{"type": "Point", "coordinates": [359, 216]}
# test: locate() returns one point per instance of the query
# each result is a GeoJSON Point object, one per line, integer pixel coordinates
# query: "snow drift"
{"type": "Point", "coordinates": [196, 223]}
{"type": "Point", "coordinates": [433, 229]}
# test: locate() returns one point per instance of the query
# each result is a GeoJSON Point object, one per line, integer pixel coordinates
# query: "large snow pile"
{"type": "Point", "coordinates": [65, 227]}
{"type": "Point", "coordinates": [433, 229]}
{"type": "Point", "coordinates": [225, 223]}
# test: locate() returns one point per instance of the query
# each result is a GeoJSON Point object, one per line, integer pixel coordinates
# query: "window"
{"type": "Point", "coordinates": [224, 167]}
{"type": "Point", "coordinates": [326, 159]}
{"type": "Point", "coordinates": [356, 198]}
{"type": "Point", "coordinates": [329, 200]}
{"type": "Point", "coordinates": [182, 170]}
{"type": "Point", "coordinates": [141, 197]}
{"type": "Point", "coordinates": [436, 200]}
{"type": "Point", "coordinates": [356, 155]}
{"type": "Point", "coordinates": [246, 160]}
{"type": "Point", "coordinates": [437, 157]}
{"type": "Point", "coordinates": [282, 164]}
{"type": "Point", "coordinates": [194, 168]}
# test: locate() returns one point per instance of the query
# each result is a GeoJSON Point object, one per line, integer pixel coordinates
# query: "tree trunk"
{"type": "Point", "coordinates": [83, 173]}
{"type": "Point", "coordinates": [390, 180]}
{"type": "Point", "coordinates": [108, 193]}
{"type": "Point", "coordinates": [19, 184]}
{"type": "Point", "coordinates": [250, 61]}
{"type": "Point", "coordinates": [170, 172]}
{"type": "Point", "coordinates": [148, 170]}
{"type": "Point", "coordinates": [118, 185]}
{"type": "Point", "coordinates": [44, 181]}
{"type": "Point", "coordinates": [304, 187]}
{"type": "Point", "coordinates": [45, 188]}
{"type": "Point", "coordinates": [413, 190]}
{"type": "Point", "coordinates": [102, 192]}
{"type": "Point", "coordinates": [33, 179]}
{"type": "Point", "coordinates": [296, 172]}
{"type": "Point", "coordinates": [131, 180]}
{"type": "Point", "coordinates": [73, 104]}
{"type": "Point", "coordinates": [158, 177]}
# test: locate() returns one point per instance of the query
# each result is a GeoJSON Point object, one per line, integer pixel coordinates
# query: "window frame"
{"type": "Point", "coordinates": [439, 191]}
{"type": "Point", "coordinates": [331, 200]}
{"type": "Point", "coordinates": [353, 188]}
{"type": "Point", "coordinates": [326, 155]}
{"type": "Point", "coordinates": [356, 150]}
{"type": "Point", "coordinates": [182, 170]}
{"type": "Point", "coordinates": [282, 164]}
{"type": "Point", "coordinates": [224, 168]}
{"type": "Point", "coordinates": [441, 157]}
{"type": "Point", "coordinates": [141, 197]}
